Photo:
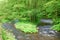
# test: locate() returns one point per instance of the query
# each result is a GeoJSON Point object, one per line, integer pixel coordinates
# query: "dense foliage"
{"type": "Point", "coordinates": [30, 10]}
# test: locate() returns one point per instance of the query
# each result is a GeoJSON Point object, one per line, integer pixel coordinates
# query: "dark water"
{"type": "Point", "coordinates": [10, 27]}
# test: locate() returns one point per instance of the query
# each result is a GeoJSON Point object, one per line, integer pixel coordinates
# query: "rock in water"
{"type": "Point", "coordinates": [45, 30]}
{"type": "Point", "coordinates": [44, 27]}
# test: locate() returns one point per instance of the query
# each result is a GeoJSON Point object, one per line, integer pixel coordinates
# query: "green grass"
{"type": "Point", "coordinates": [26, 27]}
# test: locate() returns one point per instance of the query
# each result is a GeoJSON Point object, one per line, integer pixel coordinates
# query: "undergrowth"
{"type": "Point", "coordinates": [26, 27]}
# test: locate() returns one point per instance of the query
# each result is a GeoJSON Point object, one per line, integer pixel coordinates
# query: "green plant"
{"type": "Point", "coordinates": [29, 10]}
{"type": "Point", "coordinates": [56, 27]}
{"type": "Point", "coordinates": [26, 27]}
{"type": "Point", "coordinates": [6, 35]}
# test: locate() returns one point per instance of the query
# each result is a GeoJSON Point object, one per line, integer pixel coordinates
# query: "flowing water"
{"type": "Point", "coordinates": [43, 34]}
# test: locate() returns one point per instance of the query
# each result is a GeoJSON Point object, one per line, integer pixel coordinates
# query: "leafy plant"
{"type": "Point", "coordinates": [29, 10]}
{"type": "Point", "coordinates": [26, 27]}
{"type": "Point", "coordinates": [56, 27]}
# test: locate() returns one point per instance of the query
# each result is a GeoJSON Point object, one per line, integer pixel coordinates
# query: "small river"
{"type": "Point", "coordinates": [44, 33]}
